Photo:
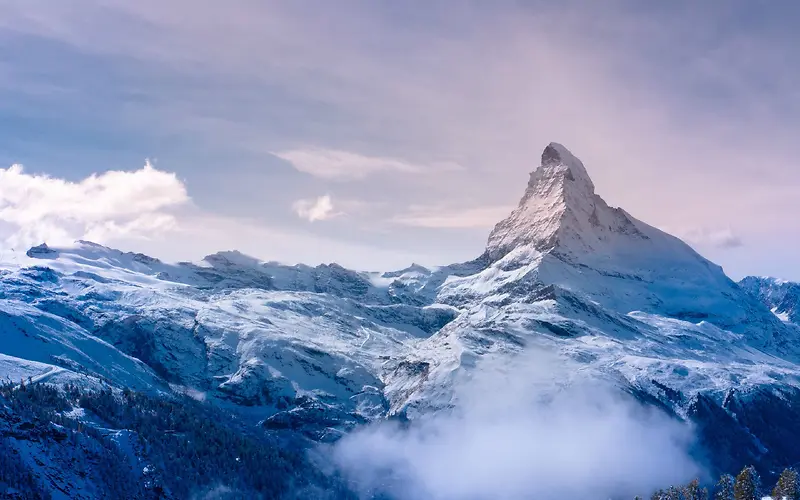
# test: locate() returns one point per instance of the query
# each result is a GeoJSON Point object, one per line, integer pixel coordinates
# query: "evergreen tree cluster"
{"type": "Point", "coordinates": [691, 491]}
{"type": "Point", "coordinates": [745, 486]}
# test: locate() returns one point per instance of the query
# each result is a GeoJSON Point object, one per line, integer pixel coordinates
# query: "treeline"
{"type": "Point", "coordinates": [745, 486]}
{"type": "Point", "coordinates": [179, 447]}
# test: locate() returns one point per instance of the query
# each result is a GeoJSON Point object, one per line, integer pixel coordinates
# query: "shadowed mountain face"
{"type": "Point", "coordinates": [317, 351]}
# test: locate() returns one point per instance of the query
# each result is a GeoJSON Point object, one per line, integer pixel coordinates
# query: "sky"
{"type": "Point", "coordinates": [376, 134]}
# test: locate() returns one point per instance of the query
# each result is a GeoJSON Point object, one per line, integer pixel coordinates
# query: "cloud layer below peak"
{"type": "Point", "coordinates": [532, 427]}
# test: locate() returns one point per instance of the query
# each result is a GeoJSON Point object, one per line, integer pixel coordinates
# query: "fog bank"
{"type": "Point", "coordinates": [535, 428]}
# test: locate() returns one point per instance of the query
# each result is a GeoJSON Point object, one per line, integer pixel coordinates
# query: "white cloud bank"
{"type": "Point", "coordinates": [115, 204]}
{"type": "Point", "coordinates": [520, 432]}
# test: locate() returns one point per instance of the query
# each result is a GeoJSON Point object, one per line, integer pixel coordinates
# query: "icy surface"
{"type": "Point", "coordinates": [231, 328]}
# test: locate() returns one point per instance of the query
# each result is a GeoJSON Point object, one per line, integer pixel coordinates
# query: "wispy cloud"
{"type": "Point", "coordinates": [438, 216]}
{"type": "Point", "coordinates": [333, 164]}
{"type": "Point", "coordinates": [320, 208]}
{"type": "Point", "coordinates": [706, 237]}
{"type": "Point", "coordinates": [129, 204]}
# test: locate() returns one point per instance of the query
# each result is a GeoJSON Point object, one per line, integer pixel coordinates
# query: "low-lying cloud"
{"type": "Point", "coordinates": [523, 432]}
{"type": "Point", "coordinates": [38, 208]}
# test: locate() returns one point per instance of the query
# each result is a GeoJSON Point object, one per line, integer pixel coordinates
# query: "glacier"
{"type": "Point", "coordinates": [321, 351]}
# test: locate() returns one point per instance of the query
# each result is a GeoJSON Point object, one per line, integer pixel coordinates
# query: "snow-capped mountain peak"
{"type": "Point", "coordinates": [564, 235]}
{"type": "Point", "coordinates": [560, 212]}
{"type": "Point", "coordinates": [557, 158]}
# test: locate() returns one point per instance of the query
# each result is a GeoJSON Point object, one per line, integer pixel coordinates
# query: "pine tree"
{"type": "Point", "coordinates": [724, 488]}
{"type": "Point", "coordinates": [748, 485]}
{"type": "Point", "coordinates": [659, 495]}
{"type": "Point", "coordinates": [787, 487]}
{"type": "Point", "coordinates": [673, 493]}
{"type": "Point", "coordinates": [693, 491]}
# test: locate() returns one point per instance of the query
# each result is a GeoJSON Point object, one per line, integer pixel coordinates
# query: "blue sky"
{"type": "Point", "coordinates": [380, 133]}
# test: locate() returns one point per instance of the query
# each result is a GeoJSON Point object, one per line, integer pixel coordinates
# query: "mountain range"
{"type": "Point", "coordinates": [310, 354]}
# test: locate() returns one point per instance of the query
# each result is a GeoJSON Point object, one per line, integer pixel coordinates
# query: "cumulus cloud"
{"type": "Point", "coordinates": [446, 217]}
{"type": "Point", "coordinates": [334, 164]}
{"type": "Point", "coordinates": [521, 430]}
{"type": "Point", "coordinates": [312, 210]}
{"type": "Point", "coordinates": [131, 204]}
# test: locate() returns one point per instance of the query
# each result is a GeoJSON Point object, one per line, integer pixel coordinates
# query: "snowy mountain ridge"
{"type": "Point", "coordinates": [321, 350]}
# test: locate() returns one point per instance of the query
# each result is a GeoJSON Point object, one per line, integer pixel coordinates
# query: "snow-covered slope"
{"type": "Point", "coordinates": [321, 349]}
{"type": "Point", "coordinates": [256, 335]}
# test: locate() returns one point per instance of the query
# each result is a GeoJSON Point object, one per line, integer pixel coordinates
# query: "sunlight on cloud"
{"type": "Point", "coordinates": [38, 208]}
{"type": "Point", "coordinates": [315, 209]}
{"type": "Point", "coordinates": [335, 164]}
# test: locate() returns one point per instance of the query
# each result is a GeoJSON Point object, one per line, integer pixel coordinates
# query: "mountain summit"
{"type": "Point", "coordinates": [560, 212]}
{"type": "Point", "coordinates": [571, 239]}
